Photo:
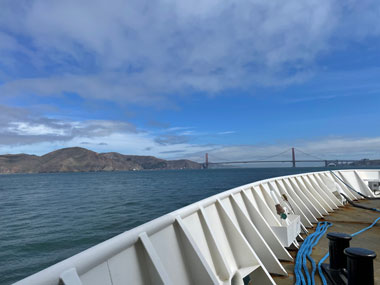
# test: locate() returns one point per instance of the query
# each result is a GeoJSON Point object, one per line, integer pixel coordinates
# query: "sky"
{"type": "Point", "coordinates": [238, 79]}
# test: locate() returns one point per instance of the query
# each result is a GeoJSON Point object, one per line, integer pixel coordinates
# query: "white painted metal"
{"type": "Point", "coordinates": [70, 276]}
{"type": "Point", "coordinates": [374, 185]}
{"type": "Point", "coordinates": [296, 207]}
{"type": "Point", "coordinates": [299, 201]}
{"type": "Point", "coordinates": [218, 240]}
{"type": "Point", "coordinates": [288, 234]}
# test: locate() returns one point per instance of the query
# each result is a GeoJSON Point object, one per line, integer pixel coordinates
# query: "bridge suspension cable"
{"type": "Point", "coordinates": [293, 160]}
{"type": "Point", "coordinates": [213, 157]}
{"type": "Point", "coordinates": [220, 160]}
{"type": "Point", "coordinates": [308, 154]}
{"type": "Point", "coordinates": [278, 154]}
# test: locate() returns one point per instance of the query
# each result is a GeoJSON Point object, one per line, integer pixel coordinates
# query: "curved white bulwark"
{"type": "Point", "coordinates": [218, 240]}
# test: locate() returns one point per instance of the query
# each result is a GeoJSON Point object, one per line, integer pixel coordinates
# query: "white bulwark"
{"type": "Point", "coordinates": [219, 240]}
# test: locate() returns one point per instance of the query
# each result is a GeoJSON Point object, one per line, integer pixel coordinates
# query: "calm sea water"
{"type": "Point", "coordinates": [45, 218]}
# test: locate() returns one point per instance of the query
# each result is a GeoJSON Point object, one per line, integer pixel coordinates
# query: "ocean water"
{"type": "Point", "coordinates": [45, 218]}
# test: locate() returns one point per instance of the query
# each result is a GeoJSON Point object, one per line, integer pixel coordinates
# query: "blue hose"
{"type": "Point", "coordinates": [324, 282]}
{"type": "Point", "coordinates": [308, 244]}
{"type": "Point", "coordinates": [305, 252]}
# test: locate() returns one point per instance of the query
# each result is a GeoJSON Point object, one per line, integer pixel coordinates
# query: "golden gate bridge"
{"type": "Point", "coordinates": [292, 160]}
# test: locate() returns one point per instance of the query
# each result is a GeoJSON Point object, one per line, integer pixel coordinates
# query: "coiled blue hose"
{"type": "Point", "coordinates": [324, 282]}
{"type": "Point", "coordinates": [308, 244]}
{"type": "Point", "coordinates": [305, 252]}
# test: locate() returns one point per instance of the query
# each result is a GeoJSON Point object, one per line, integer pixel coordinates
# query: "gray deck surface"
{"type": "Point", "coordinates": [348, 220]}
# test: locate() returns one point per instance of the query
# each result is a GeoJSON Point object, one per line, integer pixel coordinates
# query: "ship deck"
{"type": "Point", "coordinates": [348, 220]}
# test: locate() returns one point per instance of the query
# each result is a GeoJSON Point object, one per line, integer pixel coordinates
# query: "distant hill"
{"type": "Point", "coordinates": [77, 159]}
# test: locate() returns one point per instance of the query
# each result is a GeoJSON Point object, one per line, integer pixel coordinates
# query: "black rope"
{"type": "Point", "coordinates": [349, 186]}
{"type": "Point", "coordinates": [357, 205]}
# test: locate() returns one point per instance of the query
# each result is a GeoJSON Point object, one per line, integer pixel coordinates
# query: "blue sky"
{"type": "Point", "coordinates": [238, 79]}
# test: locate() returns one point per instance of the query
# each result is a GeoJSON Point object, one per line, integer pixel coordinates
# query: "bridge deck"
{"type": "Point", "coordinates": [346, 220]}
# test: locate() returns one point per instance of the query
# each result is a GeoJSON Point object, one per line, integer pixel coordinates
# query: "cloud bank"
{"type": "Point", "coordinates": [143, 51]}
{"type": "Point", "coordinates": [23, 131]}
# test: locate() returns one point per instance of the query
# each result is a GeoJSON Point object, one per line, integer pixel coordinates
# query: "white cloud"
{"type": "Point", "coordinates": [22, 131]}
{"type": "Point", "coordinates": [25, 128]}
{"type": "Point", "coordinates": [226, 133]}
{"type": "Point", "coordinates": [126, 143]}
{"type": "Point", "coordinates": [137, 50]}
{"type": "Point", "coordinates": [144, 52]}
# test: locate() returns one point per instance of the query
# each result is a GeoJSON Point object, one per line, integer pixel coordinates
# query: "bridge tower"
{"type": "Point", "coordinates": [206, 161]}
{"type": "Point", "coordinates": [293, 157]}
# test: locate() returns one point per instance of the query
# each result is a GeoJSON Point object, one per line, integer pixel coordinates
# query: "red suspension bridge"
{"type": "Point", "coordinates": [292, 160]}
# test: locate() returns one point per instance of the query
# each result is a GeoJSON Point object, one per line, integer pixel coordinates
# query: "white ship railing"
{"type": "Point", "coordinates": [218, 240]}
